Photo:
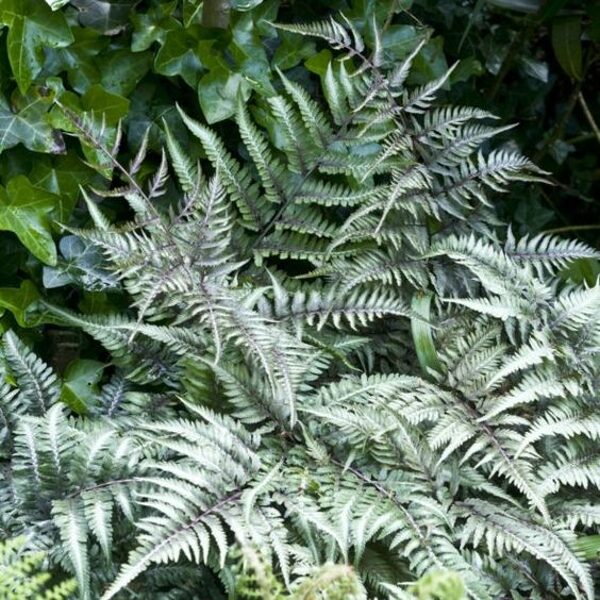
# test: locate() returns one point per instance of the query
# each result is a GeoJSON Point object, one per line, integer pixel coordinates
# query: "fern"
{"type": "Point", "coordinates": [334, 353]}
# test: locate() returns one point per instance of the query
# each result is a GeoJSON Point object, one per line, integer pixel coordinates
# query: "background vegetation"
{"type": "Point", "coordinates": [534, 64]}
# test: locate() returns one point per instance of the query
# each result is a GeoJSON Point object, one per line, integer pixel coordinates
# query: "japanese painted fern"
{"type": "Point", "coordinates": [339, 369]}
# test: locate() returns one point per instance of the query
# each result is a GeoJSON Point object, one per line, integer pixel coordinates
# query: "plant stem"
{"type": "Point", "coordinates": [589, 116]}
{"type": "Point", "coordinates": [215, 14]}
{"type": "Point", "coordinates": [572, 228]}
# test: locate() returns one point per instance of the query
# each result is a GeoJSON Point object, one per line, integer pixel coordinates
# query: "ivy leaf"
{"type": "Point", "coordinates": [566, 42]}
{"type": "Point", "coordinates": [24, 210]}
{"type": "Point", "coordinates": [82, 264]}
{"type": "Point", "coordinates": [248, 51]}
{"type": "Point", "coordinates": [78, 59]}
{"type": "Point", "coordinates": [244, 5]}
{"type": "Point", "coordinates": [27, 123]}
{"type": "Point", "coordinates": [32, 27]}
{"type": "Point", "coordinates": [192, 9]}
{"type": "Point", "coordinates": [18, 300]}
{"type": "Point", "coordinates": [182, 54]}
{"type": "Point", "coordinates": [218, 91]}
{"type": "Point", "coordinates": [62, 176]}
{"type": "Point", "coordinates": [430, 63]}
{"type": "Point", "coordinates": [122, 70]}
{"type": "Point", "coordinates": [80, 384]}
{"type": "Point", "coordinates": [106, 16]}
{"type": "Point", "coordinates": [292, 50]}
{"type": "Point", "coordinates": [153, 26]}
{"type": "Point", "coordinates": [102, 102]}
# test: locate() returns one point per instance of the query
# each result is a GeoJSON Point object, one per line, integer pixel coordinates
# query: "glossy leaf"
{"type": "Point", "coordinates": [122, 70]}
{"type": "Point", "coordinates": [80, 384]}
{"type": "Point", "coordinates": [566, 42]}
{"type": "Point", "coordinates": [62, 176]}
{"type": "Point", "coordinates": [292, 50]}
{"type": "Point", "coordinates": [153, 26]}
{"type": "Point", "coordinates": [32, 28]}
{"type": "Point", "coordinates": [182, 54]}
{"type": "Point", "coordinates": [18, 300]}
{"type": "Point", "coordinates": [82, 264]}
{"type": "Point", "coordinates": [79, 59]}
{"type": "Point", "coordinates": [218, 91]}
{"type": "Point", "coordinates": [26, 122]}
{"type": "Point", "coordinates": [24, 210]}
{"type": "Point", "coordinates": [108, 17]}
{"type": "Point", "coordinates": [422, 333]}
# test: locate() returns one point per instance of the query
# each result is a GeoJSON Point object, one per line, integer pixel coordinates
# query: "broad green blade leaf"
{"type": "Point", "coordinates": [62, 176]}
{"type": "Point", "coordinates": [218, 92]}
{"type": "Point", "coordinates": [24, 210]}
{"type": "Point", "coordinates": [32, 28]}
{"type": "Point", "coordinates": [182, 53]}
{"type": "Point", "coordinates": [566, 42]}
{"type": "Point", "coordinates": [27, 122]}
{"type": "Point", "coordinates": [421, 333]}
{"type": "Point", "coordinates": [80, 384]}
{"type": "Point", "coordinates": [18, 300]}
{"type": "Point", "coordinates": [589, 546]}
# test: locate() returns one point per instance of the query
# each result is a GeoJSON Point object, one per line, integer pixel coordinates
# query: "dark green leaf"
{"type": "Point", "coordinates": [18, 300]}
{"type": "Point", "coordinates": [32, 28]}
{"type": "Point", "coordinates": [121, 70]}
{"type": "Point", "coordinates": [566, 42]}
{"type": "Point", "coordinates": [218, 91]}
{"type": "Point", "coordinates": [319, 62]}
{"type": "Point", "coordinates": [181, 55]}
{"type": "Point", "coordinates": [153, 26]}
{"type": "Point", "coordinates": [430, 63]}
{"type": "Point", "coordinates": [27, 122]}
{"type": "Point", "coordinates": [79, 58]}
{"type": "Point", "coordinates": [24, 210]}
{"type": "Point", "coordinates": [112, 106]}
{"type": "Point", "coordinates": [108, 17]}
{"type": "Point", "coordinates": [62, 176]}
{"type": "Point", "coordinates": [81, 263]}
{"type": "Point", "coordinates": [292, 50]}
{"type": "Point", "coordinates": [80, 384]}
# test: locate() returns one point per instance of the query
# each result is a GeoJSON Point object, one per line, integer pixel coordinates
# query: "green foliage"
{"type": "Point", "coordinates": [439, 585]}
{"type": "Point", "coordinates": [535, 62]}
{"type": "Point", "coordinates": [20, 575]}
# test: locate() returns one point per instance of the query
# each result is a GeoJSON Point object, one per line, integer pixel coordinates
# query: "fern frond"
{"type": "Point", "coordinates": [38, 385]}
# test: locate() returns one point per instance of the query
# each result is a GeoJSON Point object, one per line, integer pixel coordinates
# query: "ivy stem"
{"type": "Point", "coordinates": [572, 228]}
{"type": "Point", "coordinates": [588, 115]}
